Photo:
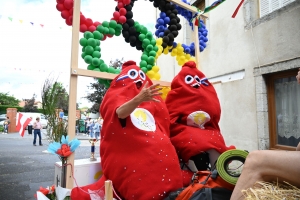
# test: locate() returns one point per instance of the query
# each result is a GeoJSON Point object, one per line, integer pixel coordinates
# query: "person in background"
{"type": "Point", "coordinates": [6, 125]}
{"type": "Point", "coordinates": [30, 127]}
{"type": "Point", "coordinates": [97, 129]}
{"type": "Point", "coordinates": [91, 129]}
{"type": "Point", "coordinates": [37, 126]}
{"type": "Point", "coordinates": [269, 166]}
{"type": "Point", "coordinates": [86, 121]}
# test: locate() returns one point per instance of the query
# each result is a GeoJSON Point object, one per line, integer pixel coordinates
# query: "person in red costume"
{"type": "Point", "coordinates": [136, 152]}
{"type": "Point", "coordinates": [195, 111]}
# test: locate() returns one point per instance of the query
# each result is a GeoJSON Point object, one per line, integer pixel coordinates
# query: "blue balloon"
{"type": "Point", "coordinates": [162, 15]}
{"type": "Point", "coordinates": [205, 39]}
{"type": "Point", "coordinates": [167, 20]}
{"type": "Point", "coordinates": [161, 21]}
{"type": "Point", "coordinates": [157, 33]}
{"type": "Point", "coordinates": [187, 50]}
{"type": "Point", "coordinates": [161, 28]}
{"type": "Point", "coordinates": [161, 34]}
{"type": "Point", "coordinates": [174, 44]}
{"type": "Point", "coordinates": [156, 26]}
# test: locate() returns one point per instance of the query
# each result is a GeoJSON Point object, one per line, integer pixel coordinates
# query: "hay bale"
{"type": "Point", "coordinates": [272, 191]}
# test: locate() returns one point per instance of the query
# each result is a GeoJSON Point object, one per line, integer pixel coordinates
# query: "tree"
{"type": "Point", "coordinates": [96, 97]}
{"type": "Point", "coordinates": [29, 104]}
{"type": "Point", "coordinates": [100, 89]}
{"type": "Point", "coordinates": [6, 99]}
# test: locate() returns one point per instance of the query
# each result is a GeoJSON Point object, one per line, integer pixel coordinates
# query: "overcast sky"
{"type": "Point", "coordinates": [30, 53]}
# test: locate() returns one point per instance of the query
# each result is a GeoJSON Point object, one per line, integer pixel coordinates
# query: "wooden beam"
{"type": "Point", "coordinates": [104, 75]}
{"type": "Point", "coordinates": [197, 47]}
{"type": "Point", "coordinates": [73, 89]}
{"type": "Point", "coordinates": [187, 7]}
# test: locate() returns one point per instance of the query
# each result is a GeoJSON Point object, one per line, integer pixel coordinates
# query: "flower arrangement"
{"type": "Point", "coordinates": [64, 148]}
{"type": "Point", "coordinates": [53, 193]}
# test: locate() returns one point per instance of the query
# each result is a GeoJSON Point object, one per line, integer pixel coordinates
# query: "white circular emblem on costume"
{"type": "Point", "coordinates": [143, 119]}
{"type": "Point", "coordinates": [198, 119]}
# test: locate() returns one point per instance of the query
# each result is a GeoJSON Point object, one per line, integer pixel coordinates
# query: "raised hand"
{"type": "Point", "coordinates": [148, 93]}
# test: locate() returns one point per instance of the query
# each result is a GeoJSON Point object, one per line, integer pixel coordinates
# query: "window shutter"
{"type": "Point", "coordinates": [286, 2]}
{"type": "Point", "coordinates": [264, 7]}
{"type": "Point", "coordinates": [275, 5]}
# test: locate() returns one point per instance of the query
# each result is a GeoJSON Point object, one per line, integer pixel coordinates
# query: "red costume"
{"type": "Point", "coordinates": [195, 111]}
{"type": "Point", "coordinates": [136, 152]}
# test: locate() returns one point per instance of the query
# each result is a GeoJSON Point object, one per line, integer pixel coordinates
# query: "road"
{"type": "Point", "coordinates": [24, 167]}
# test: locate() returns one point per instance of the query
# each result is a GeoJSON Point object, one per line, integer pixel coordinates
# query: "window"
{"type": "Point", "coordinates": [268, 6]}
{"type": "Point", "coordinates": [284, 110]}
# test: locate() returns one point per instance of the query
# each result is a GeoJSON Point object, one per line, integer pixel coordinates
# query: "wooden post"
{"type": "Point", "coordinates": [73, 88]}
{"type": "Point", "coordinates": [12, 114]}
{"type": "Point", "coordinates": [197, 46]}
{"type": "Point", "coordinates": [108, 190]}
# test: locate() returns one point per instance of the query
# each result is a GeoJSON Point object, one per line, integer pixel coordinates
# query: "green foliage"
{"type": "Point", "coordinates": [1, 129]}
{"type": "Point", "coordinates": [97, 96]}
{"type": "Point", "coordinates": [4, 107]}
{"type": "Point", "coordinates": [51, 95]}
{"type": "Point", "coordinates": [29, 105]}
{"type": "Point", "coordinates": [6, 99]}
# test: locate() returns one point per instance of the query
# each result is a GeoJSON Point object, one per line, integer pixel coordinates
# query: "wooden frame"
{"type": "Point", "coordinates": [75, 72]}
{"type": "Point", "coordinates": [271, 108]}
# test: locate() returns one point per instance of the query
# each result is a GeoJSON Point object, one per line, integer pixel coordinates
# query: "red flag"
{"type": "Point", "coordinates": [22, 122]}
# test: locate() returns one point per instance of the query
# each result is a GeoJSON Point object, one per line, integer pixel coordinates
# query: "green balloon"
{"type": "Point", "coordinates": [88, 34]}
{"type": "Point", "coordinates": [98, 42]}
{"type": "Point", "coordinates": [97, 48]}
{"type": "Point", "coordinates": [100, 28]}
{"type": "Point", "coordinates": [96, 61]}
{"type": "Point", "coordinates": [101, 81]}
{"type": "Point", "coordinates": [152, 53]}
{"type": "Point", "coordinates": [111, 70]}
{"type": "Point", "coordinates": [111, 31]}
{"type": "Point", "coordinates": [97, 35]}
{"type": "Point", "coordinates": [88, 59]}
{"type": "Point", "coordinates": [103, 67]}
{"type": "Point", "coordinates": [149, 47]}
{"type": "Point", "coordinates": [144, 57]}
{"type": "Point", "coordinates": [101, 61]}
{"type": "Point", "coordinates": [146, 42]}
{"type": "Point", "coordinates": [112, 24]}
{"type": "Point", "coordinates": [97, 69]}
{"type": "Point", "coordinates": [151, 60]}
{"type": "Point", "coordinates": [105, 24]}
{"type": "Point", "coordinates": [138, 28]}
{"type": "Point", "coordinates": [143, 63]}
{"type": "Point", "coordinates": [149, 35]}
{"type": "Point", "coordinates": [101, 36]}
{"type": "Point", "coordinates": [83, 55]}
{"type": "Point", "coordinates": [96, 54]}
{"type": "Point", "coordinates": [106, 30]}
{"type": "Point", "coordinates": [117, 71]}
{"type": "Point", "coordinates": [142, 37]}
{"type": "Point", "coordinates": [155, 48]}
{"type": "Point", "coordinates": [83, 49]}
{"type": "Point", "coordinates": [91, 67]}
{"type": "Point", "coordinates": [149, 67]}
{"type": "Point", "coordinates": [83, 42]}
{"type": "Point", "coordinates": [153, 42]}
{"type": "Point", "coordinates": [89, 50]}
{"type": "Point", "coordinates": [136, 24]}
{"type": "Point", "coordinates": [144, 69]}
{"type": "Point", "coordinates": [118, 33]}
{"type": "Point", "coordinates": [144, 30]}
{"type": "Point", "coordinates": [106, 84]}
{"type": "Point", "coordinates": [91, 42]}
{"type": "Point", "coordinates": [119, 27]}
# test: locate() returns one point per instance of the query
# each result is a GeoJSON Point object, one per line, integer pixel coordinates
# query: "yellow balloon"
{"type": "Point", "coordinates": [193, 59]}
{"type": "Point", "coordinates": [156, 76]}
{"type": "Point", "coordinates": [173, 54]}
{"type": "Point", "coordinates": [174, 51]}
{"type": "Point", "coordinates": [180, 62]}
{"type": "Point", "coordinates": [166, 51]}
{"type": "Point", "coordinates": [150, 74]}
{"type": "Point", "coordinates": [155, 69]}
{"type": "Point", "coordinates": [187, 56]}
{"type": "Point", "coordinates": [159, 41]}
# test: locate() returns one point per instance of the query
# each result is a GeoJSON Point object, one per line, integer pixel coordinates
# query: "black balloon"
{"type": "Point", "coordinates": [129, 15]}
{"type": "Point", "coordinates": [125, 34]}
{"type": "Point", "coordinates": [175, 33]}
{"type": "Point", "coordinates": [175, 11]}
{"type": "Point", "coordinates": [132, 30]}
{"type": "Point", "coordinates": [165, 39]}
{"type": "Point", "coordinates": [128, 7]}
{"type": "Point", "coordinates": [164, 45]}
{"type": "Point", "coordinates": [173, 21]}
{"type": "Point", "coordinates": [132, 39]}
{"type": "Point", "coordinates": [130, 22]}
{"type": "Point", "coordinates": [125, 26]}
{"type": "Point", "coordinates": [173, 28]}
{"type": "Point", "coordinates": [178, 26]}
{"type": "Point", "coordinates": [178, 19]}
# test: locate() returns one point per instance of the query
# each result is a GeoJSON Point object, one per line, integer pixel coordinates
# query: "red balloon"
{"type": "Point", "coordinates": [83, 28]}
{"type": "Point", "coordinates": [60, 7]}
{"type": "Point", "coordinates": [88, 22]}
{"type": "Point", "coordinates": [110, 36]}
{"type": "Point", "coordinates": [116, 15]}
{"type": "Point", "coordinates": [71, 11]}
{"type": "Point", "coordinates": [92, 28]}
{"type": "Point", "coordinates": [60, 1]}
{"type": "Point", "coordinates": [122, 19]}
{"type": "Point", "coordinates": [123, 11]}
{"type": "Point", "coordinates": [126, 2]}
{"type": "Point", "coordinates": [120, 5]}
{"type": "Point", "coordinates": [68, 21]}
{"type": "Point", "coordinates": [65, 14]}
{"type": "Point", "coordinates": [82, 19]}
{"type": "Point", "coordinates": [68, 4]}
{"type": "Point", "coordinates": [104, 38]}
{"type": "Point", "coordinates": [96, 24]}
